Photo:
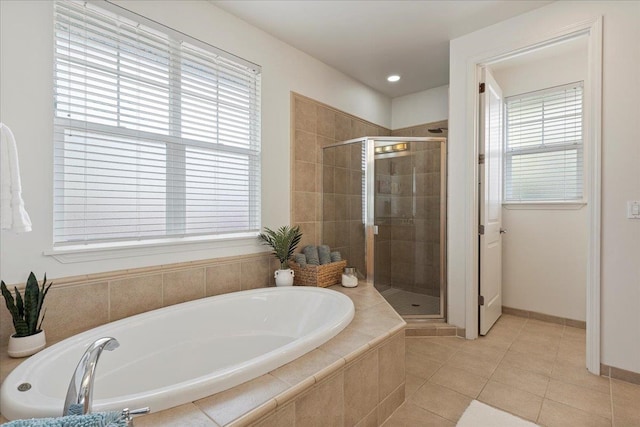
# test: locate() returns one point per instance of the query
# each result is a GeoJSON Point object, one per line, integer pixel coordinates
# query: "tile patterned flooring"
{"type": "Point", "coordinates": [532, 369]}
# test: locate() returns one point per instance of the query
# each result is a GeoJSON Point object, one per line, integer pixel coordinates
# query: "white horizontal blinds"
{"type": "Point", "coordinates": [155, 136]}
{"type": "Point", "coordinates": [543, 145]}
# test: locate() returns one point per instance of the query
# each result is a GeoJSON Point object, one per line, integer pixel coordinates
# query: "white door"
{"type": "Point", "coordinates": [490, 201]}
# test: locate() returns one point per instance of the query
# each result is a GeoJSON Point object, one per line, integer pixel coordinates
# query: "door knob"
{"type": "Point", "coordinates": [503, 231]}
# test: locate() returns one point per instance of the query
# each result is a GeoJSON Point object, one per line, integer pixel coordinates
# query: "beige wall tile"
{"type": "Point", "coordinates": [182, 286]}
{"type": "Point", "coordinates": [6, 322]}
{"type": "Point", "coordinates": [507, 398]}
{"type": "Point", "coordinates": [74, 309]}
{"type": "Point", "coordinates": [305, 176]}
{"type": "Point", "coordinates": [323, 405]}
{"type": "Point", "coordinates": [391, 403]}
{"type": "Point", "coordinates": [305, 146]}
{"type": "Point", "coordinates": [343, 127]}
{"type": "Point", "coordinates": [223, 278]}
{"type": "Point", "coordinates": [305, 115]}
{"type": "Point", "coordinates": [391, 365]}
{"type": "Point", "coordinates": [228, 405]}
{"type": "Point", "coordinates": [304, 207]}
{"type": "Point", "coordinates": [360, 388]}
{"type": "Point", "coordinates": [134, 295]}
{"type": "Point", "coordinates": [309, 237]}
{"type": "Point", "coordinates": [326, 122]}
{"type": "Point", "coordinates": [184, 415]}
{"type": "Point", "coordinates": [304, 367]}
{"type": "Point", "coordinates": [255, 273]}
{"type": "Point", "coordinates": [283, 417]}
{"type": "Point", "coordinates": [370, 420]}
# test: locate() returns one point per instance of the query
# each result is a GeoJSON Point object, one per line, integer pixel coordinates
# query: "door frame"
{"type": "Point", "coordinates": [592, 29]}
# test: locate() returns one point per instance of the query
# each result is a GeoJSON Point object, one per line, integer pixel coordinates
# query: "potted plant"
{"type": "Point", "coordinates": [283, 241]}
{"type": "Point", "coordinates": [25, 311]}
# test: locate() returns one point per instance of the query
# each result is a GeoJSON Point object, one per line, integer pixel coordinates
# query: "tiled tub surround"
{"type": "Point", "coordinates": [77, 304]}
{"type": "Point", "coordinates": [357, 378]}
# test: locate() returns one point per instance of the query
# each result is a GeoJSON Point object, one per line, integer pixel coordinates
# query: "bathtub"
{"type": "Point", "coordinates": [178, 354]}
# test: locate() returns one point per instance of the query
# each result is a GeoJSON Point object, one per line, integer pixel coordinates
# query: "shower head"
{"type": "Point", "coordinates": [437, 130]}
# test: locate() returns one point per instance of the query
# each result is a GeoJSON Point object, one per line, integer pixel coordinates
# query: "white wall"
{"type": "Point", "coordinates": [544, 261]}
{"type": "Point", "coordinates": [620, 274]}
{"type": "Point", "coordinates": [26, 106]}
{"type": "Point", "coordinates": [428, 106]}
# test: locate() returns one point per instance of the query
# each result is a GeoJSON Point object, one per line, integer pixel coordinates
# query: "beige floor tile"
{"type": "Point", "coordinates": [459, 380]}
{"type": "Point", "coordinates": [536, 344]}
{"type": "Point", "coordinates": [413, 383]}
{"type": "Point", "coordinates": [626, 411]}
{"type": "Point", "coordinates": [588, 400]}
{"type": "Point", "coordinates": [575, 334]}
{"type": "Point", "coordinates": [572, 351]}
{"type": "Point", "coordinates": [521, 379]}
{"type": "Point", "coordinates": [428, 347]}
{"type": "Point", "coordinates": [411, 415]}
{"type": "Point", "coordinates": [579, 375]}
{"type": "Point", "coordinates": [540, 364]}
{"type": "Point", "coordinates": [454, 342]}
{"type": "Point", "coordinates": [478, 364]}
{"type": "Point", "coordinates": [421, 366]}
{"type": "Point", "coordinates": [518, 402]}
{"type": "Point", "coordinates": [554, 414]}
{"type": "Point", "coordinates": [441, 401]}
{"type": "Point", "coordinates": [179, 416]}
{"type": "Point", "coordinates": [511, 321]}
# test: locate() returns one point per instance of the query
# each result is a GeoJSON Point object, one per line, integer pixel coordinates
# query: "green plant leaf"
{"type": "Point", "coordinates": [283, 241]}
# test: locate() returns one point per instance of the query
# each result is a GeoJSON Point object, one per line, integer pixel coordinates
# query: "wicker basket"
{"type": "Point", "coordinates": [318, 275]}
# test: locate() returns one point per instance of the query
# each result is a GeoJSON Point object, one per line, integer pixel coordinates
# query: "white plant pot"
{"type": "Point", "coordinates": [26, 346]}
{"type": "Point", "coordinates": [284, 277]}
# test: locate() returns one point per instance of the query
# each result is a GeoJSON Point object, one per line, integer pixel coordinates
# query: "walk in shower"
{"type": "Point", "coordinates": [383, 208]}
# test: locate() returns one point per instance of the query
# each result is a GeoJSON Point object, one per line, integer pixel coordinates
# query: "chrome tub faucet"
{"type": "Point", "coordinates": [80, 392]}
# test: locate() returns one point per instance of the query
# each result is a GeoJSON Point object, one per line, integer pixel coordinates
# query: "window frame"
{"type": "Point", "coordinates": [83, 250]}
{"type": "Point", "coordinates": [552, 204]}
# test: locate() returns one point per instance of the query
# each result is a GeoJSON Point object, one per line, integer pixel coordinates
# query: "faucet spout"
{"type": "Point", "coordinates": [80, 392]}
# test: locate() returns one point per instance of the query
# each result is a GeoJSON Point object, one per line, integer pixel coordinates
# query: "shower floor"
{"type": "Point", "coordinates": [410, 303]}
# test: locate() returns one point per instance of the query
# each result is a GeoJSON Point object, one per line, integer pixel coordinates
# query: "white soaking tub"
{"type": "Point", "coordinates": [178, 354]}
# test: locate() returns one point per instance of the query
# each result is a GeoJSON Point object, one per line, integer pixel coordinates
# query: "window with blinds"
{"type": "Point", "coordinates": [157, 135]}
{"type": "Point", "coordinates": [543, 146]}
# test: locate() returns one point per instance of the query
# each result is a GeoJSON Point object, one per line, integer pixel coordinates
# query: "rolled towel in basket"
{"type": "Point", "coordinates": [300, 259]}
{"type": "Point", "coordinates": [311, 252]}
{"type": "Point", "coordinates": [96, 419]}
{"type": "Point", "coordinates": [324, 254]}
{"type": "Point", "coordinates": [335, 256]}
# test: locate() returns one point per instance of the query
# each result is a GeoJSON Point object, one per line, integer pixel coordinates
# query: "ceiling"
{"type": "Point", "coordinates": [369, 40]}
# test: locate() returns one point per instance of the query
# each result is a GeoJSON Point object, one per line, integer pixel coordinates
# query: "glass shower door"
{"type": "Point", "coordinates": [409, 209]}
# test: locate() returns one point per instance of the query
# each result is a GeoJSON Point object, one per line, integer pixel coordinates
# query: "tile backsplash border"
{"type": "Point", "coordinates": [78, 303]}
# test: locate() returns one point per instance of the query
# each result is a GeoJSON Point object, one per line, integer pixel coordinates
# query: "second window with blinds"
{"type": "Point", "coordinates": [544, 150]}
{"type": "Point", "coordinates": [157, 135]}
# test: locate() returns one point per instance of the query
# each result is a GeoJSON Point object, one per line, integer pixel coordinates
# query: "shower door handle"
{"type": "Point", "coordinates": [375, 230]}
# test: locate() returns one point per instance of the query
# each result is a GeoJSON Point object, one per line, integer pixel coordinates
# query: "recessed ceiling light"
{"type": "Point", "coordinates": [393, 78]}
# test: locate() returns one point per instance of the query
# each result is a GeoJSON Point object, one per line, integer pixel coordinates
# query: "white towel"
{"type": "Point", "coordinates": [13, 216]}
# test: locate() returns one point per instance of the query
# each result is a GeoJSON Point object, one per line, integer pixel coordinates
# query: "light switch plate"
{"type": "Point", "coordinates": [633, 209]}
